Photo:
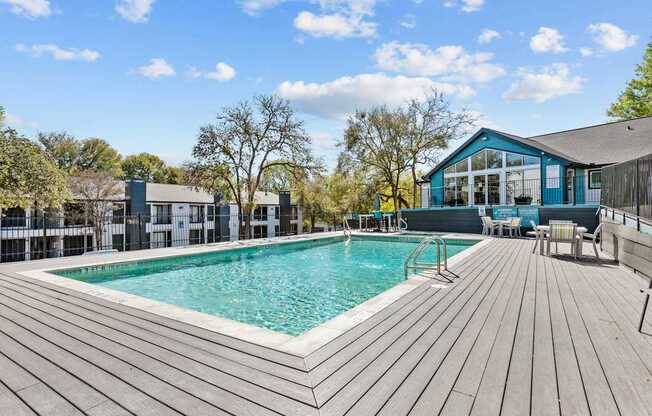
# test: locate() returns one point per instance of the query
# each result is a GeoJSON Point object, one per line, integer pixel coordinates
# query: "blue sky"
{"type": "Point", "coordinates": [146, 74]}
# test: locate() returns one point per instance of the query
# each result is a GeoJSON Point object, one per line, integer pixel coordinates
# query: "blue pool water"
{"type": "Point", "coordinates": [288, 288]}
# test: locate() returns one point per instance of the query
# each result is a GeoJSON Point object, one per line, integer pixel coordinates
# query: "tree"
{"type": "Point", "coordinates": [375, 139]}
{"type": "Point", "coordinates": [432, 124]}
{"type": "Point", "coordinates": [233, 155]}
{"type": "Point", "coordinates": [27, 175]}
{"type": "Point", "coordinates": [73, 156]}
{"type": "Point", "coordinates": [95, 192]}
{"type": "Point", "coordinates": [636, 100]}
{"type": "Point", "coordinates": [151, 168]}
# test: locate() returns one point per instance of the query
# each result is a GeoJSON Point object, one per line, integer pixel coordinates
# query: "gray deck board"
{"type": "Point", "coordinates": [516, 333]}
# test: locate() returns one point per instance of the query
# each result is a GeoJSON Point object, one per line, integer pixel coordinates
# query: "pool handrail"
{"type": "Point", "coordinates": [346, 228]}
{"type": "Point", "coordinates": [411, 260]}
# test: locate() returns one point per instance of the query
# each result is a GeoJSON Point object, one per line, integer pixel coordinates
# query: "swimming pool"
{"type": "Point", "coordinates": [289, 288]}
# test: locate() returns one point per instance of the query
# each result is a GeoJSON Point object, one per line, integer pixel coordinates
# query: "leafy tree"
{"type": "Point", "coordinates": [375, 140]}
{"type": "Point", "coordinates": [74, 156]}
{"type": "Point", "coordinates": [27, 175]}
{"type": "Point", "coordinates": [233, 155]}
{"type": "Point", "coordinates": [636, 100]}
{"type": "Point", "coordinates": [151, 168]}
{"type": "Point", "coordinates": [431, 125]}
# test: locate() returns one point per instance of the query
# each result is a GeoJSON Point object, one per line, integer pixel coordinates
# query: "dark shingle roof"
{"type": "Point", "coordinates": [603, 144]}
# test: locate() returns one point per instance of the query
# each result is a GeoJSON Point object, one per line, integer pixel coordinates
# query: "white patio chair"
{"type": "Point", "coordinates": [597, 234]}
{"type": "Point", "coordinates": [514, 227]}
{"type": "Point", "coordinates": [534, 233]}
{"type": "Point", "coordinates": [488, 226]}
{"type": "Point", "coordinates": [563, 233]}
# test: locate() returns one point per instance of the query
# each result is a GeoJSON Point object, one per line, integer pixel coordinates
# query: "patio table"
{"type": "Point", "coordinates": [501, 224]}
{"type": "Point", "coordinates": [543, 229]}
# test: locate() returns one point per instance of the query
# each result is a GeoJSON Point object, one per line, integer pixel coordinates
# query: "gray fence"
{"type": "Point", "coordinates": [627, 187]}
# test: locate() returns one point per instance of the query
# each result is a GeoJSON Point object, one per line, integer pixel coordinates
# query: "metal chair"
{"type": "Point", "coordinates": [597, 234]}
{"type": "Point", "coordinates": [563, 233]}
{"type": "Point", "coordinates": [488, 226]}
{"type": "Point", "coordinates": [514, 227]}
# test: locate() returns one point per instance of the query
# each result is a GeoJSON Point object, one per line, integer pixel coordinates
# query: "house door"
{"type": "Point", "coordinates": [570, 185]}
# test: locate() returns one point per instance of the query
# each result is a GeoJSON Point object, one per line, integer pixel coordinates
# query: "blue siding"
{"type": "Point", "coordinates": [495, 141]}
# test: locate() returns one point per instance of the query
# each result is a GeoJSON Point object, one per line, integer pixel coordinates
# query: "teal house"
{"type": "Point", "coordinates": [495, 168]}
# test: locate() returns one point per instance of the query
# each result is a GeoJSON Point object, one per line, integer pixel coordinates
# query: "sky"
{"type": "Point", "coordinates": [145, 75]}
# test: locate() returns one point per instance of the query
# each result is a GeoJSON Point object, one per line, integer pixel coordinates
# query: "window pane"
{"type": "Point", "coordinates": [494, 159]}
{"type": "Point", "coordinates": [595, 179]}
{"type": "Point", "coordinates": [449, 170]}
{"type": "Point", "coordinates": [514, 160]}
{"type": "Point", "coordinates": [479, 189]}
{"type": "Point", "coordinates": [462, 191]}
{"type": "Point", "coordinates": [514, 186]}
{"type": "Point", "coordinates": [449, 191]}
{"type": "Point", "coordinates": [530, 160]}
{"type": "Point", "coordinates": [478, 161]}
{"type": "Point", "coordinates": [461, 166]}
{"type": "Point", "coordinates": [493, 185]}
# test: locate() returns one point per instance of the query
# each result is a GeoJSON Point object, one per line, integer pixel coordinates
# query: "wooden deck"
{"type": "Point", "coordinates": [516, 334]}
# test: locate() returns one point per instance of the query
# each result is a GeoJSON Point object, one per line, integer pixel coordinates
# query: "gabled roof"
{"type": "Point", "coordinates": [603, 144]}
{"type": "Point", "coordinates": [598, 145]}
{"type": "Point", "coordinates": [512, 137]}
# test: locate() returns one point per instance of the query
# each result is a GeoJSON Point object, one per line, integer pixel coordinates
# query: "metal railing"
{"type": "Point", "coordinates": [412, 261]}
{"type": "Point", "coordinates": [346, 228]}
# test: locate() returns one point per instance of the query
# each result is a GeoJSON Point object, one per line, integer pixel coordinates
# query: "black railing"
{"type": "Point", "coordinates": [627, 187]}
{"type": "Point", "coordinates": [26, 237]}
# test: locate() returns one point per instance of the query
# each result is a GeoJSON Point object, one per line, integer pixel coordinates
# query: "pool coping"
{"type": "Point", "coordinates": [301, 345]}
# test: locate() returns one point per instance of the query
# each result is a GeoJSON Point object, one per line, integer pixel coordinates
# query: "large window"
{"type": "Point", "coordinates": [196, 213]}
{"type": "Point", "coordinates": [595, 179]}
{"type": "Point", "coordinates": [495, 177]}
{"type": "Point", "coordinates": [162, 214]}
{"type": "Point", "coordinates": [260, 213]}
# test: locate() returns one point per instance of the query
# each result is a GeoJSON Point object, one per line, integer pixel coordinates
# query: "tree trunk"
{"type": "Point", "coordinates": [414, 187]}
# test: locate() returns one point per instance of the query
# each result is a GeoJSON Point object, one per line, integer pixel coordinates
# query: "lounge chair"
{"type": "Point", "coordinates": [597, 234]}
{"type": "Point", "coordinates": [563, 233]}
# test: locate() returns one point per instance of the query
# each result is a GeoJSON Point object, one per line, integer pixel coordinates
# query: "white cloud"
{"type": "Point", "coordinates": [193, 73]}
{"type": "Point", "coordinates": [610, 37]}
{"type": "Point", "coordinates": [586, 52]}
{"type": "Point", "coordinates": [255, 7]}
{"type": "Point", "coordinates": [334, 26]}
{"type": "Point", "coordinates": [135, 11]}
{"type": "Point", "coordinates": [13, 120]}
{"type": "Point", "coordinates": [409, 21]}
{"type": "Point", "coordinates": [553, 81]}
{"type": "Point", "coordinates": [468, 6]}
{"type": "Point", "coordinates": [341, 97]}
{"type": "Point", "coordinates": [549, 40]}
{"type": "Point", "coordinates": [157, 68]}
{"type": "Point", "coordinates": [450, 61]}
{"type": "Point", "coordinates": [339, 19]}
{"type": "Point", "coordinates": [29, 8]}
{"type": "Point", "coordinates": [59, 54]}
{"type": "Point", "coordinates": [487, 36]}
{"type": "Point", "coordinates": [223, 72]}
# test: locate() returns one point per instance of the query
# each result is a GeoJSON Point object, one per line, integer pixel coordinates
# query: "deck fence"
{"type": "Point", "coordinates": [627, 188]}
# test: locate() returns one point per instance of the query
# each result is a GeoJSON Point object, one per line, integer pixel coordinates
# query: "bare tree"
{"type": "Point", "coordinates": [95, 192]}
{"type": "Point", "coordinates": [233, 155]}
{"type": "Point", "coordinates": [431, 125]}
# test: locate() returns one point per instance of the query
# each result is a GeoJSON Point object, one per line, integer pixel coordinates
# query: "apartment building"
{"type": "Point", "coordinates": [146, 215]}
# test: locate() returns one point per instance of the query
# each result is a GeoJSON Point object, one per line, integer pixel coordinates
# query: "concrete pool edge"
{"type": "Point", "coordinates": [301, 345]}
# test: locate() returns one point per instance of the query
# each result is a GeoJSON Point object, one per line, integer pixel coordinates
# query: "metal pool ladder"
{"type": "Point", "coordinates": [346, 228]}
{"type": "Point", "coordinates": [412, 263]}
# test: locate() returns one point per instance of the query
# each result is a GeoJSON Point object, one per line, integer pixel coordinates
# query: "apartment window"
{"type": "Point", "coordinates": [13, 217]}
{"type": "Point", "coordinates": [118, 213]}
{"type": "Point", "coordinates": [118, 242]}
{"type": "Point", "coordinates": [73, 245]}
{"type": "Point", "coordinates": [12, 250]}
{"type": "Point", "coordinates": [260, 231]}
{"type": "Point", "coordinates": [196, 214]}
{"type": "Point", "coordinates": [595, 179]}
{"type": "Point", "coordinates": [260, 213]}
{"type": "Point", "coordinates": [277, 212]}
{"type": "Point", "coordinates": [210, 237]}
{"type": "Point", "coordinates": [74, 214]}
{"type": "Point", "coordinates": [160, 239]}
{"type": "Point", "coordinates": [211, 212]}
{"type": "Point", "coordinates": [277, 231]}
{"type": "Point", "coordinates": [162, 214]}
{"type": "Point", "coordinates": [196, 237]}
